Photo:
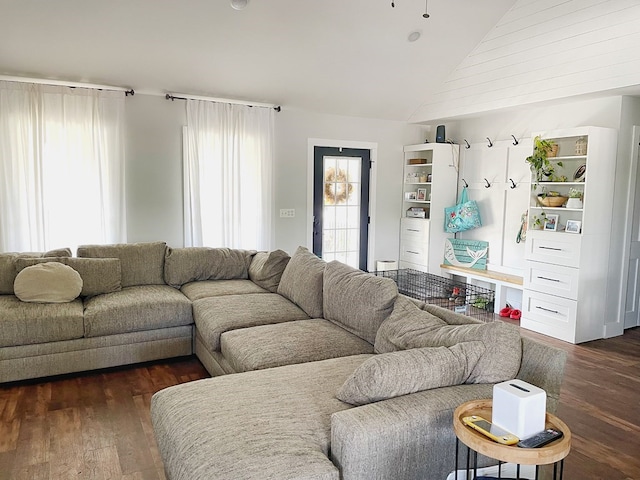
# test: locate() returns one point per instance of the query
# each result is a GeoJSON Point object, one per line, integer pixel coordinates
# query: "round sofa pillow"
{"type": "Point", "coordinates": [50, 282]}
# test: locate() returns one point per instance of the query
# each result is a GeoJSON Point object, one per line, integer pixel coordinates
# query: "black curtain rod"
{"type": "Point", "coordinates": [126, 92]}
{"type": "Point", "coordinates": [168, 96]}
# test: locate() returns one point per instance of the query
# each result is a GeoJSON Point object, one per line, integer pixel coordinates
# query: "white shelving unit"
{"type": "Point", "coordinates": [430, 178]}
{"type": "Point", "coordinates": [566, 274]}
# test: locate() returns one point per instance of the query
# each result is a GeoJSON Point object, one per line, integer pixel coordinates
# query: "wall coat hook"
{"type": "Point", "coordinates": [467, 146]}
{"type": "Point", "coordinates": [488, 185]}
{"type": "Point", "coordinates": [490, 143]}
{"type": "Point", "coordinates": [464, 182]}
{"type": "Point", "coordinates": [515, 140]}
{"type": "Point", "coordinates": [513, 184]}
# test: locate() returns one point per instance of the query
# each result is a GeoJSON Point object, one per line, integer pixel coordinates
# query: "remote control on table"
{"type": "Point", "coordinates": [540, 439]}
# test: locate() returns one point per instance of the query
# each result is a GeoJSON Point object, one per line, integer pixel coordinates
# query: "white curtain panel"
{"type": "Point", "coordinates": [61, 167]}
{"type": "Point", "coordinates": [228, 164]}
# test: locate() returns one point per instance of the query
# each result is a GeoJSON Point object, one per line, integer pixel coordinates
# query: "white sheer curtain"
{"type": "Point", "coordinates": [228, 161]}
{"type": "Point", "coordinates": [61, 167]}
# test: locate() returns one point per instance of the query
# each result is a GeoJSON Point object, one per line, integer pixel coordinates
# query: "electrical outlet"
{"type": "Point", "coordinates": [287, 212]}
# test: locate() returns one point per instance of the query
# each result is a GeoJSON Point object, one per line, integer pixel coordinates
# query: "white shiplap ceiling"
{"type": "Point", "coordinates": [347, 57]}
{"type": "Point", "coordinates": [545, 50]}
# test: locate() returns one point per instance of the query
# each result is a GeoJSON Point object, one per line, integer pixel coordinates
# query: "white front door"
{"type": "Point", "coordinates": [632, 304]}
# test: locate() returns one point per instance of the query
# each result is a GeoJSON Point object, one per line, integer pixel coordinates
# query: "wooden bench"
{"type": "Point", "coordinates": [501, 281]}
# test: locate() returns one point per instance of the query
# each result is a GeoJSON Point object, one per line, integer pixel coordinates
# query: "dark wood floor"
{"type": "Point", "coordinates": [97, 425]}
{"type": "Point", "coordinates": [89, 426]}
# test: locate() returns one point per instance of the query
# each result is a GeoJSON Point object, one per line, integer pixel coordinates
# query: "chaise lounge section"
{"type": "Point", "coordinates": [306, 405]}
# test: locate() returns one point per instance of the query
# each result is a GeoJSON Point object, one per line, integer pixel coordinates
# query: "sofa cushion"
{"type": "Point", "coordinates": [357, 301]}
{"type": "Point", "coordinates": [266, 269]}
{"type": "Point", "coordinates": [140, 263]}
{"type": "Point", "coordinates": [8, 270]}
{"type": "Point", "coordinates": [301, 281]}
{"type": "Point", "coordinates": [216, 288]}
{"type": "Point", "coordinates": [49, 282]}
{"type": "Point", "coordinates": [58, 252]}
{"type": "Point", "coordinates": [184, 265]}
{"type": "Point", "coordinates": [215, 315]}
{"type": "Point", "coordinates": [409, 327]}
{"type": "Point", "coordinates": [287, 343]}
{"type": "Point", "coordinates": [24, 323]}
{"type": "Point", "coordinates": [133, 309]}
{"type": "Point", "coordinates": [268, 424]}
{"type": "Point", "coordinates": [99, 275]}
{"type": "Point", "coordinates": [389, 375]}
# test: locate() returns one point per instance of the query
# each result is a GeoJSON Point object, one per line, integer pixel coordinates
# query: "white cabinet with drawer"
{"type": "Point", "coordinates": [567, 262]}
{"type": "Point", "coordinates": [429, 186]}
{"type": "Point", "coordinates": [550, 315]}
{"type": "Point", "coordinates": [414, 229]}
{"type": "Point", "coordinates": [552, 279]}
{"type": "Point", "coordinates": [558, 248]}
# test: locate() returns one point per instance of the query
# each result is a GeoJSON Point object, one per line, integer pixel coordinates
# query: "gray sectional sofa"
{"type": "Point", "coordinates": [320, 371]}
{"type": "Point", "coordinates": [352, 381]}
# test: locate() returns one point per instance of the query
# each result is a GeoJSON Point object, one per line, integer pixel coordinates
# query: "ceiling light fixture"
{"type": "Point", "coordinates": [393, 5]}
{"type": "Point", "coordinates": [239, 4]}
{"type": "Point", "coordinates": [414, 36]}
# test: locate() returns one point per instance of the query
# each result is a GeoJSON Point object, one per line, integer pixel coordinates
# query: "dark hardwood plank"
{"type": "Point", "coordinates": [66, 455]}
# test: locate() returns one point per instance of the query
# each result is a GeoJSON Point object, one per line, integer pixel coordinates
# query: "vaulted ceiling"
{"type": "Point", "coordinates": [347, 57]}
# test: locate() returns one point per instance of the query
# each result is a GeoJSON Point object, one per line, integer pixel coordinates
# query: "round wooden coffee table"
{"type": "Point", "coordinates": [553, 453]}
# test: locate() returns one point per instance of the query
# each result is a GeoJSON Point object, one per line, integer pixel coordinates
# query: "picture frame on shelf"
{"type": "Point", "coordinates": [551, 222]}
{"type": "Point", "coordinates": [573, 226]}
{"type": "Point", "coordinates": [410, 195]}
{"type": "Point", "coordinates": [581, 173]}
{"type": "Point", "coordinates": [422, 194]}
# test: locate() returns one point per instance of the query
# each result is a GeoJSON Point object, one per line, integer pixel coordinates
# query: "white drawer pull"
{"type": "Point", "coordinates": [415, 253]}
{"type": "Point", "coordinates": [550, 248]}
{"type": "Point", "coordinates": [413, 230]}
{"type": "Point", "coordinates": [550, 279]}
{"type": "Point", "coordinates": [548, 310]}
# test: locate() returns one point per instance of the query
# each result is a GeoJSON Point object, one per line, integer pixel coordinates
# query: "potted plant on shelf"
{"type": "Point", "coordinates": [538, 221]}
{"type": "Point", "coordinates": [539, 162]}
{"type": "Point", "coordinates": [575, 198]}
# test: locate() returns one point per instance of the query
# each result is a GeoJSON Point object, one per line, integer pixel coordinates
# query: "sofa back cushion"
{"type": "Point", "coordinates": [140, 263]}
{"type": "Point", "coordinates": [301, 281]}
{"type": "Point", "coordinates": [393, 374]}
{"type": "Point", "coordinates": [191, 264]}
{"type": "Point", "coordinates": [357, 301]}
{"type": "Point", "coordinates": [49, 282]}
{"type": "Point", "coordinates": [8, 270]}
{"type": "Point", "coordinates": [99, 275]}
{"type": "Point", "coordinates": [409, 327]}
{"type": "Point", "coordinates": [267, 267]}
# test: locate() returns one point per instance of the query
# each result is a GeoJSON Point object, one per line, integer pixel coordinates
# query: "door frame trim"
{"type": "Point", "coordinates": [373, 148]}
{"type": "Point", "coordinates": [613, 330]}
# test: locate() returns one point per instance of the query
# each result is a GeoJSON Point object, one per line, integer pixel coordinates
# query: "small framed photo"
{"type": "Point", "coordinates": [551, 223]}
{"type": "Point", "coordinates": [410, 195]}
{"type": "Point", "coordinates": [422, 194]}
{"type": "Point", "coordinates": [573, 226]}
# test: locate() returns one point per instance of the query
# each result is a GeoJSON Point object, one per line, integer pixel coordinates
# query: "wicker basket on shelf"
{"type": "Point", "coordinates": [551, 200]}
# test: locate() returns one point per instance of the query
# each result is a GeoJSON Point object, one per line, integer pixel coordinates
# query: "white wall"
{"type": "Point", "coordinates": [154, 170]}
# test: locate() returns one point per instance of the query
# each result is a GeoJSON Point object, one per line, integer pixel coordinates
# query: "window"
{"type": "Point", "coordinates": [61, 167]}
{"type": "Point", "coordinates": [228, 157]}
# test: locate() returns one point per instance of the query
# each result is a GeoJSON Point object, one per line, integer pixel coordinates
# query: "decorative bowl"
{"type": "Point", "coordinates": [551, 201]}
